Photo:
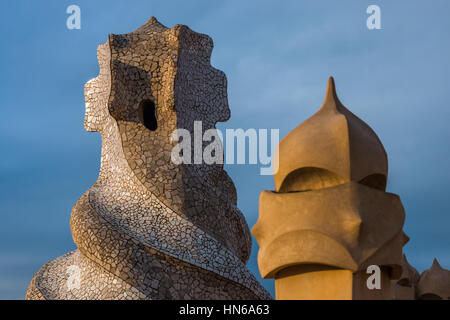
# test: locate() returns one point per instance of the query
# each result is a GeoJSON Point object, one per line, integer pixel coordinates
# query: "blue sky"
{"type": "Point", "coordinates": [277, 57]}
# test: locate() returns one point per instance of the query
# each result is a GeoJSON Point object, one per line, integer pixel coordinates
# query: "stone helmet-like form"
{"type": "Point", "coordinates": [150, 228]}
{"type": "Point", "coordinates": [434, 283]}
{"type": "Point", "coordinates": [404, 288]}
{"type": "Point", "coordinates": [330, 209]}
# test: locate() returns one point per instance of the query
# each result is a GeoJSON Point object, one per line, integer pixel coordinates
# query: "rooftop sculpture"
{"type": "Point", "coordinates": [405, 287]}
{"type": "Point", "coordinates": [329, 217]}
{"type": "Point", "coordinates": [434, 283]}
{"type": "Point", "coordinates": [148, 228]}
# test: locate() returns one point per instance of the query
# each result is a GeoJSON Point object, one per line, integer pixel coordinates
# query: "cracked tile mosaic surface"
{"type": "Point", "coordinates": [147, 228]}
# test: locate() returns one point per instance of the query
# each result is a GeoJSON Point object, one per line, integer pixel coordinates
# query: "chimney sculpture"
{"type": "Point", "coordinates": [150, 228]}
{"type": "Point", "coordinates": [434, 283]}
{"type": "Point", "coordinates": [329, 217]}
{"type": "Point", "coordinates": [404, 288]}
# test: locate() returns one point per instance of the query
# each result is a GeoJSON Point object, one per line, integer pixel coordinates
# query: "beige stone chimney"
{"type": "Point", "coordinates": [329, 217]}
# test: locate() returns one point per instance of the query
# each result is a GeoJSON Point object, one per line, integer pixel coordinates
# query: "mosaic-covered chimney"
{"type": "Point", "coordinates": [149, 228]}
{"type": "Point", "coordinates": [329, 217]}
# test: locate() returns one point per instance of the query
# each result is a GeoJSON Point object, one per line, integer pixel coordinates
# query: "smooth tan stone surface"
{"type": "Point", "coordinates": [434, 283]}
{"type": "Point", "coordinates": [349, 226]}
{"type": "Point", "coordinates": [330, 208]}
{"type": "Point", "coordinates": [402, 292]}
{"type": "Point", "coordinates": [319, 282]}
{"type": "Point", "coordinates": [311, 282]}
{"type": "Point", "coordinates": [333, 139]}
{"type": "Point", "coordinates": [404, 288]}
